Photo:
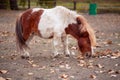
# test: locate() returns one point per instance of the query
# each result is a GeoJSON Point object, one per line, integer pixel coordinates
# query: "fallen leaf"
{"type": "Point", "coordinates": [117, 72]}
{"type": "Point", "coordinates": [1, 41]}
{"type": "Point", "coordinates": [102, 33]}
{"type": "Point", "coordinates": [101, 71]}
{"type": "Point", "coordinates": [118, 44]}
{"type": "Point", "coordinates": [30, 73]}
{"type": "Point", "coordinates": [1, 56]}
{"type": "Point", "coordinates": [93, 76]}
{"type": "Point", "coordinates": [116, 65]}
{"type": "Point", "coordinates": [90, 65]}
{"type": "Point", "coordinates": [1, 78]}
{"type": "Point", "coordinates": [5, 33]}
{"type": "Point", "coordinates": [61, 66]}
{"type": "Point", "coordinates": [52, 71]}
{"type": "Point", "coordinates": [97, 72]}
{"type": "Point", "coordinates": [13, 57]}
{"type": "Point", "coordinates": [110, 71]}
{"type": "Point", "coordinates": [104, 53]}
{"type": "Point", "coordinates": [113, 75]}
{"type": "Point", "coordinates": [8, 79]}
{"type": "Point", "coordinates": [82, 63]}
{"type": "Point", "coordinates": [3, 71]}
{"type": "Point", "coordinates": [43, 67]}
{"type": "Point", "coordinates": [73, 48]}
{"type": "Point", "coordinates": [80, 57]}
{"type": "Point", "coordinates": [61, 62]}
{"type": "Point", "coordinates": [72, 77]}
{"type": "Point", "coordinates": [115, 55]}
{"type": "Point", "coordinates": [64, 76]}
{"type": "Point", "coordinates": [34, 65]}
{"type": "Point", "coordinates": [90, 61]}
{"type": "Point", "coordinates": [30, 61]}
{"type": "Point", "coordinates": [67, 66]}
{"type": "Point", "coordinates": [98, 46]}
{"type": "Point", "coordinates": [109, 42]}
{"type": "Point", "coordinates": [116, 34]}
{"type": "Point", "coordinates": [99, 66]}
{"type": "Point", "coordinates": [72, 53]}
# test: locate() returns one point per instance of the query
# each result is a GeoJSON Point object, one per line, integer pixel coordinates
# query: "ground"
{"type": "Point", "coordinates": [41, 66]}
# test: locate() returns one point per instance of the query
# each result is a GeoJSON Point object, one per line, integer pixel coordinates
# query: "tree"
{"type": "Point", "coordinates": [13, 5]}
{"type": "Point", "coordinates": [4, 4]}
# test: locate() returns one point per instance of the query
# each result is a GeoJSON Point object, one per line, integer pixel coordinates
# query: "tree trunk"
{"type": "Point", "coordinates": [3, 4]}
{"type": "Point", "coordinates": [28, 4]}
{"type": "Point", "coordinates": [13, 5]}
{"type": "Point", "coordinates": [74, 2]}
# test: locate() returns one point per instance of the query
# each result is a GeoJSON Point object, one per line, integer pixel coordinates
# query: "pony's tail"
{"type": "Point", "coordinates": [86, 27]}
{"type": "Point", "coordinates": [19, 35]}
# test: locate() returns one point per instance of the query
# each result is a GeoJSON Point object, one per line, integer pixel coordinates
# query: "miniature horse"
{"type": "Point", "coordinates": [55, 23]}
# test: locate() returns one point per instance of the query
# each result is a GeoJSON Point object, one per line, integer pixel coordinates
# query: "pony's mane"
{"type": "Point", "coordinates": [86, 27]}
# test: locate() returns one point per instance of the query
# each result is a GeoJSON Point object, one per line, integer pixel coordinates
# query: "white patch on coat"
{"type": "Point", "coordinates": [53, 23]}
{"type": "Point", "coordinates": [56, 20]}
{"type": "Point", "coordinates": [36, 9]}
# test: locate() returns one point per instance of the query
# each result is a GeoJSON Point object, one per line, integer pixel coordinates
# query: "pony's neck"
{"type": "Point", "coordinates": [73, 29]}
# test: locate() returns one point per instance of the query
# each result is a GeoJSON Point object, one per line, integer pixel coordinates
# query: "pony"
{"type": "Point", "coordinates": [55, 23]}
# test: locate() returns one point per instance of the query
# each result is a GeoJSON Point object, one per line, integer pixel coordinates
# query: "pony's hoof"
{"type": "Point", "coordinates": [56, 56]}
{"type": "Point", "coordinates": [67, 55]}
{"type": "Point", "coordinates": [25, 57]}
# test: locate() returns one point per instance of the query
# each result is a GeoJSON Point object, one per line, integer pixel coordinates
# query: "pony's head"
{"type": "Point", "coordinates": [84, 35]}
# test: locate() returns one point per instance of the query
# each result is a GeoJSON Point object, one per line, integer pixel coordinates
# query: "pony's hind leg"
{"type": "Point", "coordinates": [25, 51]}
{"type": "Point", "coordinates": [23, 32]}
{"type": "Point", "coordinates": [25, 54]}
{"type": "Point", "coordinates": [22, 51]}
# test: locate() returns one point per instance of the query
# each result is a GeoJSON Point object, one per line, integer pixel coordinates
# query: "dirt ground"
{"type": "Point", "coordinates": [41, 66]}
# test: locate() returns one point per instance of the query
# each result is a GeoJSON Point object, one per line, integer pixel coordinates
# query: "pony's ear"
{"type": "Point", "coordinates": [78, 20]}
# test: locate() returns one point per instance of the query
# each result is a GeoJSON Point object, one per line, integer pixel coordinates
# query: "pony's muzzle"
{"type": "Point", "coordinates": [91, 53]}
{"type": "Point", "coordinates": [88, 54]}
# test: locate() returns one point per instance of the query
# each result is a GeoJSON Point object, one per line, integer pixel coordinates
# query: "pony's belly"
{"type": "Point", "coordinates": [47, 33]}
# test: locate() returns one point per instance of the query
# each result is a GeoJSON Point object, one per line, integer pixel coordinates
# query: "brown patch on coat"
{"type": "Point", "coordinates": [29, 21]}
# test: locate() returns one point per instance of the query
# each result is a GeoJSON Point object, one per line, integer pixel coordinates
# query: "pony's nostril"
{"type": "Point", "coordinates": [88, 54]}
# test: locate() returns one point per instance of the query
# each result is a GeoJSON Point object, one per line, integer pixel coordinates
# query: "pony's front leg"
{"type": "Point", "coordinates": [57, 44]}
{"type": "Point", "coordinates": [65, 44]}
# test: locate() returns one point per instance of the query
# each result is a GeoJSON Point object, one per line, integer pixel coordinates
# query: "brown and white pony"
{"type": "Point", "coordinates": [55, 23]}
